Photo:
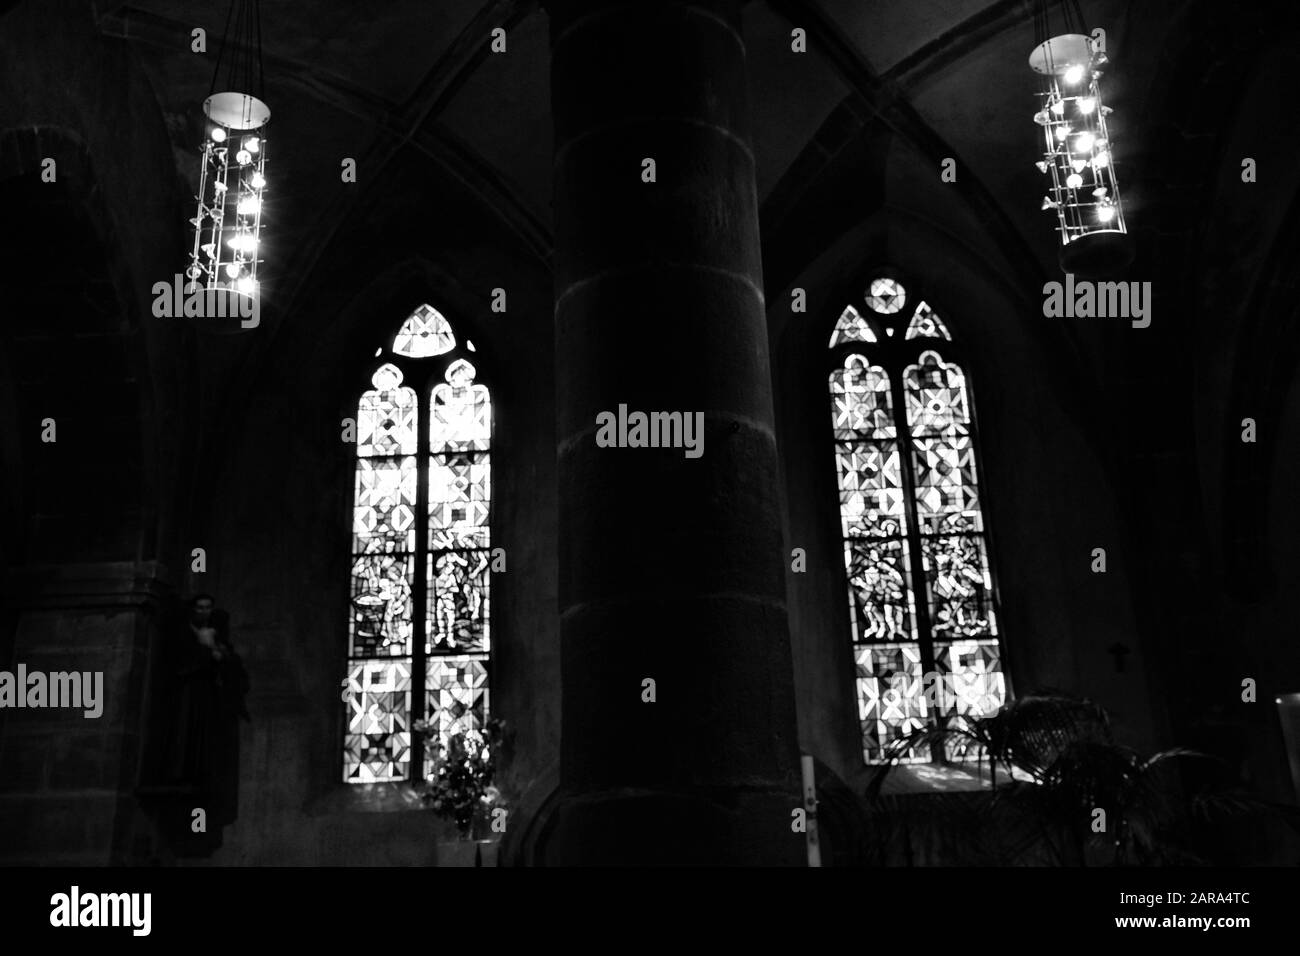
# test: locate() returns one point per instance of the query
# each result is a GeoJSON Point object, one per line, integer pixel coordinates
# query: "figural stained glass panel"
{"type": "Point", "coordinates": [392, 576]}
{"type": "Point", "coordinates": [383, 519]}
{"type": "Point", "coordinates": [915, 553]}
{"type": "Point", "coordinates": [876, 549]}
{"type": "Point", "coordinates": [958, 581]}
{"type": "Point", "coordinates": [457, 637]}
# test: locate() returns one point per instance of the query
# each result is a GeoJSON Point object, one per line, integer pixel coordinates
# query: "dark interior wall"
{"type": "Point", "coordinates": [91, 513]}
{"type": "Point", "coordinates": [75, 96]}
{"type": "Point", "coordinates": [277, 508]}
{"type": "Point", "coordinates": [69, 354]}
{"type": "Point", "coordinates": [1242, 290]}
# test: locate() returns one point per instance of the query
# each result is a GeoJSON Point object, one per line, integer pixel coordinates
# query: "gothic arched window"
{"type": "Point", "coordinates": [418, 618]}
{"type": "Point", "coordinates": [924, 625]}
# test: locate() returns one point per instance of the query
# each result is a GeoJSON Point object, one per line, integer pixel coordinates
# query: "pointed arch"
{"type": "Point", "coordinates": [924, 630]}
{"type": "Point", "coordinates": [418, 638]}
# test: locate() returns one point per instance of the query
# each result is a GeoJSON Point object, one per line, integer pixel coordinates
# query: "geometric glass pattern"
{"type": "Point", "coordinates": [424, 333]}
{"type": "Point", "coordinates": [457, 686]}
{"type": "Point", "coordinates": [921, 602]}
{"type": "Point", "coordinates": [383, 519]}
{"type": "Point", "coordinates": [886, 296]}
{"type": "Point", "coordinates": [925, 324]}
{"type": "Point", "coordinates": [973, 684]}
{"type": "Point", "coordinates": [852, 327]}
{"type": "Point", "coordinates": [457, 637]}
{"type": "Point", "coordinates": [419, 561]}
{"type": "Point", "coordinates": [377, 746]}
{"type": "Point", "coordinates": [891, 703]}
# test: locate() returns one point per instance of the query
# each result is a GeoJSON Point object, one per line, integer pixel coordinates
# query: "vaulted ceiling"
{"type": "Point", "coordinates": [949, 78]}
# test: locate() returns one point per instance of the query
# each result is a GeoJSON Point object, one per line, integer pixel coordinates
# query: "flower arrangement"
{"type": "Point", "coordinates": [459, 784]}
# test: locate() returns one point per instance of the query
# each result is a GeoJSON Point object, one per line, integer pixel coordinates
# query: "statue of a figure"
{"type": "Point", "coordinates": [210, 684]}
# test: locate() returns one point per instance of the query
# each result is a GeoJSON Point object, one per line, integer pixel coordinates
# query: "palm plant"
{"type": "Point", "coordinates": [1060, 766]}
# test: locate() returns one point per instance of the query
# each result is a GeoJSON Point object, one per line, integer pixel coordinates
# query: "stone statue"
{"type": "Point", "coordinates": [210, 683]}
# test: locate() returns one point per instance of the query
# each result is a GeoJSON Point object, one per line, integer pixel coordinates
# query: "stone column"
{"type": "Point", "coordinates": [671, 567]}
{"type": "Point", "coordinates": [68, 782]}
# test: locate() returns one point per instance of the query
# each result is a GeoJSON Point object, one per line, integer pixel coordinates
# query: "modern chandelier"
{"type": "Point", "coordinates": [1078, 153]}
{"type": "Point", "coordinates": [232, 178]}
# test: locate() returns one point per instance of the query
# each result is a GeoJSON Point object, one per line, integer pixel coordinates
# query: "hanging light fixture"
{"type": "Point", "coordinates": [232, 179]}
{"type": "Point", "coordinates": [1077, 155]}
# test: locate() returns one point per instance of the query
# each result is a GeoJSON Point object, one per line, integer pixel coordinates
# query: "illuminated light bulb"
{"type": "Point", "coordinates": [219, 186]}
{"type": "Point", "coordinates": [1059, 107]}
{"type": "Point", "coordinates": [1101, 160]}
{"type": "Point", "coordinates": [218, 135]}
{"type": "Point", "coordinates": [232, 269]}
{"type": "Point", "coordinates": [1087, 104]}
{"type": "Point", "coordinates": [252, 144]}
{"type": "Point", "coordinates": [1100, 192]}
{"type": "Point", "coordinates": [1084, 142]}
{"type": "Point", "coordinates": [246, 285]}
{"type": "Point", "coordinates": [242, 242]}
{"type": "Point", "coordinates": [1074, 74]}
{"type": "Point", "coordinates": [1079, 165]}
{"type": "Point", "coordinates": [249, 206]}
{"type": "Point", "coordinates": [258, 181]}
{"type": "Point", "coordinates": [1106, 213]}
{"type": "Point", "coordinates": [243, 157]}
{"type": "Point", "coordinates": [1062, 132]}
{"type": "Point", "coordinates": [1074, 181]}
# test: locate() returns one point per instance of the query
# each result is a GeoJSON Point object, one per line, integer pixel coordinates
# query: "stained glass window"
{"type": "Point", "coordinates": [921, 603]}
{"type": "Point", "coordinates": [420, 562]}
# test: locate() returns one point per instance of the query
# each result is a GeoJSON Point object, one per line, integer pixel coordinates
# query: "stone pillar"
{"type": "Point", "coordinates": [670, 568]}
{"type": "Point", "coordinates": [67, 781]}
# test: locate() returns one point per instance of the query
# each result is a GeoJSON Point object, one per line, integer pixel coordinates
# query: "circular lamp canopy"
{"type": "Point", "coordinates": [236, 110]}
{"type": "Point", "coordinates": [1057, 55]}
